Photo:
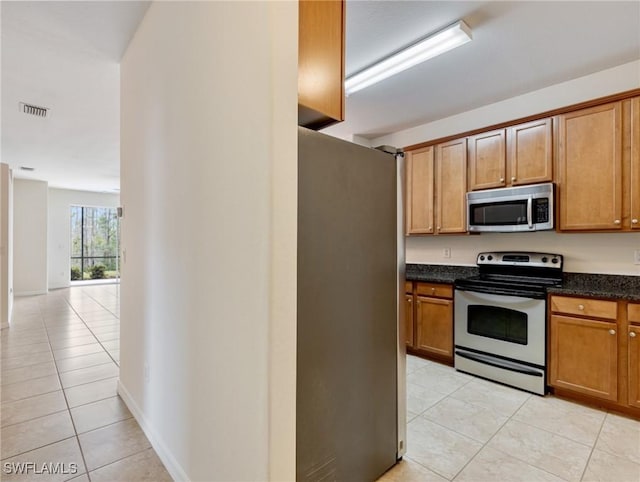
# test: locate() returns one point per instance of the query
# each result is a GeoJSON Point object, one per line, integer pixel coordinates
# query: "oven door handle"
{"type": "Point", "coordinates": [495, 362]}
{"type": "Point", "coordinates": [528, 294]}
{"type": "Point", "coordinates": [530, 211]}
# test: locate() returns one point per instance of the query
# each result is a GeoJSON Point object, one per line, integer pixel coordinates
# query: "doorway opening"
{"type": "Point", "coordinates": [95, 244]}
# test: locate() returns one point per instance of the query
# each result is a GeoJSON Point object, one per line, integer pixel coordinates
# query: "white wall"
{"type": "Point", "coordinates": [6, 245]}
{"type": "Point", "coordinates": [583, 253]}
{"type": "Point", "coordinates": [588, 253]}
{"type": "Point", "coordinates": [208, 183]}
{"type": "Point", "coordinates": [59, 242]}
{"type": "Point", "coordinates": [29, 237]}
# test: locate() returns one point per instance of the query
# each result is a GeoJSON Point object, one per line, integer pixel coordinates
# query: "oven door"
{"type": "Point", "coordinates": [507, 326]}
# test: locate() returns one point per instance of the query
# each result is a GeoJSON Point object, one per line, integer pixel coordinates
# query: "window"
{"type": "Point", "coordinates": [94, 243]}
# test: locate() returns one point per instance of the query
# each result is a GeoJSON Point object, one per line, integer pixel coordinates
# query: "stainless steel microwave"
{"type": "Point", "coordinates": [511, 209]}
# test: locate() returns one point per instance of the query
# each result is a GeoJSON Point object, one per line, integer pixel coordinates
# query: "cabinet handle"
{"type": "Point", "coordinates": [632, 334]}
{"type": "Point", "coordinates": [502, 179]}
{"type": "Point", "coordinates": [409, 300]}
{"type": "Point", "coordinates": [433, 290]}
{"type": "Point", "coordinates": [418, 303]}
{"type": "Point", "coordinates": [634, 221]}
{"type": "Point", "coordinates": [612, 332]}
{"type": "Point", "coordinates": [581, 307]}
{"type": "Point", "coordinates": [430, 228]}
{"type": "Point", "coordinates": [513, 179]}
{"type": "Point", "coordinates": [617, 221]}
{"type": "Point", "coordinates": [438, 228]}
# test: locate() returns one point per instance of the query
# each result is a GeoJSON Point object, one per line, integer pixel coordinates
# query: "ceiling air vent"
{"type": "Point", "coordinates": [33, 110]}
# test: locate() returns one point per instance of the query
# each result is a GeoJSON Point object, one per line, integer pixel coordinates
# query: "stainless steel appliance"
{"type": "Point", "coordinates": [500, 318]}
{"type": "Point", "coordinates": [350, 267]}
{"type": "Point", "coordinates": [525, 208]}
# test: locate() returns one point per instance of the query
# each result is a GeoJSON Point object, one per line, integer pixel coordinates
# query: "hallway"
{"type": "Point", "coordinates": [61, 416]}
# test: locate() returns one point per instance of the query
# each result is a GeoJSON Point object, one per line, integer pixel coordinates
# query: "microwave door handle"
{"type": "Point", "coordinates": [530, 211]}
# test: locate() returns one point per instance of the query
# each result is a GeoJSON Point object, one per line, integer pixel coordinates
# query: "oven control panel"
{"type": "Point", "coordinates": [520, 258]}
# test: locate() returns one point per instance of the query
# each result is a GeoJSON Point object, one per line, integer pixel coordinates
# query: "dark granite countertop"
{"type": "Point", "coordinates": [438, 273]}
{"type": "Point", "coordinates": [619, 287]}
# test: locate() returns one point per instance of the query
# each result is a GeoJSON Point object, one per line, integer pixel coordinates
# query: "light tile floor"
{"type": "Point", "coordinates": [60, 364]}
{"type": "Point", "coordinates": [464, 428]}
{"type": "Point", "coordinates": [59, 405]}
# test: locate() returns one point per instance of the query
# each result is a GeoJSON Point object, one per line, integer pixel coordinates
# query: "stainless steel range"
{"type": "Point", "coordinates": [500, 318]}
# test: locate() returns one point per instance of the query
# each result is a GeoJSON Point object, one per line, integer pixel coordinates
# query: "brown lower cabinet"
{"type": "Point", "coordinates": [594, 351]}
{"type": "Point", "coordinates": [633, 349]}
{"type": "Point", "coordinates": [429, 321]}
{"type": "Point", "coordinates": [408, 319]}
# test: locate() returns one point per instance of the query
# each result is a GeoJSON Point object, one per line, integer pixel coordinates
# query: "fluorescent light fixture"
{"type": "Point", "coordinates": [451, 37]}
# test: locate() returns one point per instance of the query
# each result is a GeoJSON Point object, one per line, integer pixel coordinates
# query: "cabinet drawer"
{"type": "Point", "coordinates": [408, 287]}
{"type": "Point", "coordinates": [434, 289]}
{"type": "Point", "coordinates": [633, 312]}
{"type": "Point", "coordinates": [584, 307]}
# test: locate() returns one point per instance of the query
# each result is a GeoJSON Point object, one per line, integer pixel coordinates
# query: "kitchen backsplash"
{"type": "Point", "coordinates": [611, 253]}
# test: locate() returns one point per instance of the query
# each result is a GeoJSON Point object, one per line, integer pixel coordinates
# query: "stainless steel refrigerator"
{"type": "Point", "coordinates": [350, 395]}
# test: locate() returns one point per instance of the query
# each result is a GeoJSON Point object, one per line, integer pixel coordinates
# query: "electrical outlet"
{"type": "Point", "coordinates": [446, 253]}
{"type": "Point", "coordinates": [636, 256]}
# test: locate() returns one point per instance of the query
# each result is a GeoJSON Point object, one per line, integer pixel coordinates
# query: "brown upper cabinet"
{"type": "Point", "coordinates": [521, 154]}
{"type": "Point", "coordinates": [420, 180]}
{"type": "Point", "coordinates": [634, 149]}
{"type": "Point", "coordinates": [598, 172]}
{"type": "Point", "coordinates": [530, 153]}
{"type": "Point", "coordinates": [436, 186]}
{"type": "Point", "coordinates": [320, 62]}
{"type": "Point", "coordinates": [451, 187]}
{"type": "Point", "coordinates": [487, 160]}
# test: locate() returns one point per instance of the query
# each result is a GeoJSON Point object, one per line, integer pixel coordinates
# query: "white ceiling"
{"type": "Point", "coordinates": [517, 47]}
{"type": "Point", "coordinates": [65, 56]}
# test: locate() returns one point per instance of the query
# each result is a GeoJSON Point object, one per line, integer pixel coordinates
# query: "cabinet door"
{"type": "Point", "coordinates": [451, 187]}
{"type": "Point", "coordinates": [583, 356]}
{"type": "Point", "coordinates": [635, 163]}
{"type": "Point", "coordinates": [408, 319]}
{"type": "Point", "coordinates": [530, 153]}
{"type": "Point", "coordinates": [487, 160]}
{"type": "Point", "coordinates": [590, 168]}
{"type": "Point", "coordinates": [320, 62]}
{"type": "Point", "coordinates": [419, 208]}
{"type": "Point", "coordinates": [634, 365]}
{"type": "Point", "coordinates": [434, 324]}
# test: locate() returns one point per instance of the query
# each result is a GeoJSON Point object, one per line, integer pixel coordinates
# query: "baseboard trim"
{"type": "Point", "coordinates": [171, 464]}
{"type": "Point", "coordinates": [30, 293]}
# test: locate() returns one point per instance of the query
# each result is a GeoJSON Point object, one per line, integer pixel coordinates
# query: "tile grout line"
{"type": "Point", "coordinates": [89, 366]}
{"type": "Point", "coordinates": [109, 354]}
{"type": "Point", "coordinates": [93, 334]}
{"type": "Point", "coordinates": [511, 417]}
{"type": "Point", "coordinates": [40, 447]}
{"type": "Point", "coordinates": [450, 395]}
{"type": "Point", "coordinates": [66, 401]}
{"type": "Point", "coordinates": [150, 447]}
{"type": "Point", "coordinates": [89, 328]}
{"type": "Point", "coordinates": [553, 433]}
{"type": "Point", "coordinates": [493, 436]}
{"type": "Point", "coordinates": [595, 442]}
